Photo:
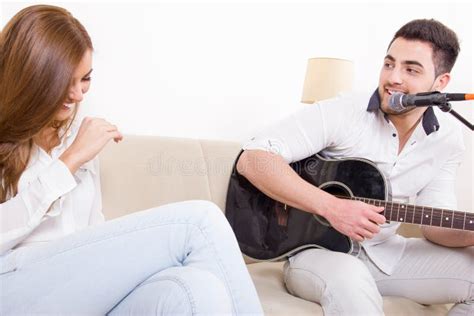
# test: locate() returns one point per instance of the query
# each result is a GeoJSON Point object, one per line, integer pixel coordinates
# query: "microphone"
{"type": "Point", "coordinates": [399, 101]}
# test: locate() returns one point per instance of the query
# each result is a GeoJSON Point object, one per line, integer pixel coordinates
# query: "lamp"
{"type": "Point", "coordinates": [326, 77]}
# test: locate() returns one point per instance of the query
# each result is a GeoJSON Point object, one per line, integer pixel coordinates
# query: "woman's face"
{"type": "Point", "coordinates": [78, 87]}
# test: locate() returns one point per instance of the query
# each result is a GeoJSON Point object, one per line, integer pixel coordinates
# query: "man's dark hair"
{"type": "Point", "coordinates": [444, 41]}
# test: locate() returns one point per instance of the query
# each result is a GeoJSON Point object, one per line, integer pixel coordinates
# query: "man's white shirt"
{"type": "Point", "coordinates": [352, 125]}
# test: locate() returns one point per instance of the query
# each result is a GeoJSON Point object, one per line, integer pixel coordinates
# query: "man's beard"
{"type": "Point", "coordinates": [388, 111]}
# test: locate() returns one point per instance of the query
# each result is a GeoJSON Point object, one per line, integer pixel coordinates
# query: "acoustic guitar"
{"type": "Point", "coordinates": [269, 230]}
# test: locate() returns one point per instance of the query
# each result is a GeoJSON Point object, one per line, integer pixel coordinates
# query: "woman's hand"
{"type": "Point", "coordinates": [93, 135]}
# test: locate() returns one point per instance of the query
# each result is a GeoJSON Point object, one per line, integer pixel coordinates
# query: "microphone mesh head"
{"type": "Point", "coordinates": [395, 102]}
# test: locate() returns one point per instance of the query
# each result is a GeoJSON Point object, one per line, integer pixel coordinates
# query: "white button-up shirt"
{"type": "Point", "coordinates": [51, 202]}
{"type": "Point", "coordinates": [352, 125]}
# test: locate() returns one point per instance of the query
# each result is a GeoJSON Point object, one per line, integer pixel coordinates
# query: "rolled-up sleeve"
{"type": "Point", "coordinates": [305, 132]}
{"type": "Point", "coordinates": [96, 216]}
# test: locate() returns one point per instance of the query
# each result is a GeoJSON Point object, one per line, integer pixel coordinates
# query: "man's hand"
{"type": "Point", "coordinates": [93, 135]}
{"type": "Point", "coordinates": [355, 219]}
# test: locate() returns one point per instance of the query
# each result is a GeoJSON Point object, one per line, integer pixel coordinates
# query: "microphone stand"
{"type": "Point", "coordinates": [449, 109]}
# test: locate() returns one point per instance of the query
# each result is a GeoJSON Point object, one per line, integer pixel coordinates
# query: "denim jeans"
{"type": "Point", "coordinates": [181, 258]}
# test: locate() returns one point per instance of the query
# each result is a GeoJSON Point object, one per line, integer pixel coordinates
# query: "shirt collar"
{"type": "Point", "coordinates": [430, 122]}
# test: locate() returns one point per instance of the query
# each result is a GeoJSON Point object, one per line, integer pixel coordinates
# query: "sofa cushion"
{"type": "Point", "coordinates": [148, 171]}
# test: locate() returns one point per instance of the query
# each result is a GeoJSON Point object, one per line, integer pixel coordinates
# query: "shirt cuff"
{"type": "Point", "coordinates": [58, 179]}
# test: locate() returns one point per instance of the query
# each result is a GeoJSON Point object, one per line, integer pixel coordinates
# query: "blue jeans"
{"type": "Point", "coordinates": [180, 258]}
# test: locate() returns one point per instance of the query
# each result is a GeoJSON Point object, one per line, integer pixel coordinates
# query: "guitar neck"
{"type": "Point", "coordinates": [423, 215]}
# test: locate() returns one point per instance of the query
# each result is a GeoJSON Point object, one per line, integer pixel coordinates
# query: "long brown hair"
{"type": "Point", "coordinates": [40, 48]}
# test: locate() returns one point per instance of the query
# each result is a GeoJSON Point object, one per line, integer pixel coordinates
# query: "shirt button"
{"type": "Point", "coordinates": [394, 135]}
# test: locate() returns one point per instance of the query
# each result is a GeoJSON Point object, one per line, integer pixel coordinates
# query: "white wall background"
{"type": "Point", "coordinates": [222, 70]}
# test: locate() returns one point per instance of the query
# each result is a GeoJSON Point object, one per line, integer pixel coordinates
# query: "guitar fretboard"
{"type": "Point", "coordinates": [423, 215]}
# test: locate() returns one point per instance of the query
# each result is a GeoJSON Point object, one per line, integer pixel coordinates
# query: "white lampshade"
{"type": "Point", "coordinates": [326, 77]}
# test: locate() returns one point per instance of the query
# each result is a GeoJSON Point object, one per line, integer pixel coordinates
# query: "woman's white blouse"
{"type": "Point", "coordinates": [51, 202]}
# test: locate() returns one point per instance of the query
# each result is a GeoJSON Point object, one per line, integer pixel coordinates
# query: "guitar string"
{"type": "Point", "coordinates": [458, 217]}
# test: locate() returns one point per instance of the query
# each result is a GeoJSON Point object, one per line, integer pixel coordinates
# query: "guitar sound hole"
{"type": "Point", "coordinates": [336, 189]}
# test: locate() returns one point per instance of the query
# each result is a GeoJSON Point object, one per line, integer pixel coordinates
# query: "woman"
{"type": "Point", "coordinates": [56, 254]}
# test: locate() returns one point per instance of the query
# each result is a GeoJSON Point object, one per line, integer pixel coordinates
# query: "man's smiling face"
{"type": "Point", "coordinates": [408, 68]}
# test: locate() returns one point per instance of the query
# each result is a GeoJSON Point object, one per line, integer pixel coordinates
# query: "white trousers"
{"type": "Point", "coordinates": [347, 285]}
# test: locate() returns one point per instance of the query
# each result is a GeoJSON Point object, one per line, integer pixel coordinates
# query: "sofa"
{"type": "Point", "coordinates": [148, 171]}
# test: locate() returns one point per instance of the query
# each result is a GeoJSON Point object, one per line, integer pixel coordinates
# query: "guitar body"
{"type": "Point", "coordinates": [269, 230]}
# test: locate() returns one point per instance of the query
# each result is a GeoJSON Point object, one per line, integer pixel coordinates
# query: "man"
{"type": "Point", "coordinates": [418, 150]}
